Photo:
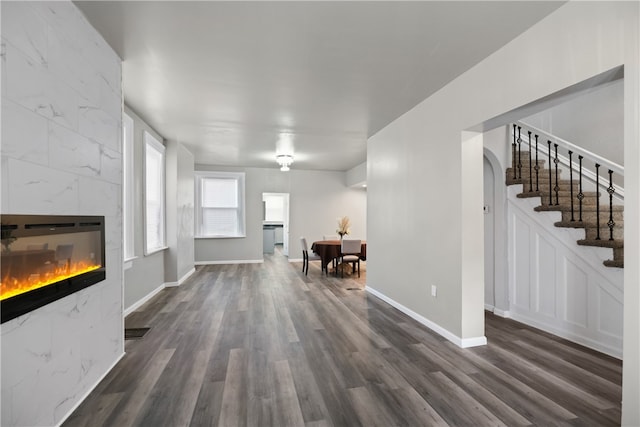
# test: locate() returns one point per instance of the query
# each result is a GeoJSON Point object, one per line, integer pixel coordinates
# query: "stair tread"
{"type": "Point", "coordinates": [603, 243]}
{"type": "Point", "coordinates": [614, 263]}
{"type": "Point", "coordinates": [561, 194]}
{"type": "Point", "coordinates": [604, 210]}
{"type": "Point", "coordinates": [586, 224]}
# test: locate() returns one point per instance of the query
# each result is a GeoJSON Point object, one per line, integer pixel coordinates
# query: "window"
{"type": "Point", "coordinates": [154, 194]}
{"type": "Point", "coordinates": [220, 204]}
{"type": "Point", "coordinates": [127, 186]}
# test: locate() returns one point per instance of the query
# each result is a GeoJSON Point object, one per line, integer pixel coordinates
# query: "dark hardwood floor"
{"type": "Point", "coordinates": [263, 345]}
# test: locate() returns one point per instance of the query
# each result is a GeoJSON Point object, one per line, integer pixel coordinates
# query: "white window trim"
{"type": "Point", "coordinates": [128, 188]}
{"type": "Point", "coordinates": [240, 176]}
{"type": "Point", "coordinates": [150, 140]}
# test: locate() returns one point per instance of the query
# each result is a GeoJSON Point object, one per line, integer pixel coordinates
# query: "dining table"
{"type": "Point", "coordinates": [328, 250]}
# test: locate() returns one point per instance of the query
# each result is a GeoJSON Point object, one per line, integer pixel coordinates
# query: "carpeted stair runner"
{"type": "Point", "coordinates": [589, 210]}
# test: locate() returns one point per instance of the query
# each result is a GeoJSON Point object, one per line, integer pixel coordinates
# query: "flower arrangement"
{"type": "Point", "coordinates": [343, 226]}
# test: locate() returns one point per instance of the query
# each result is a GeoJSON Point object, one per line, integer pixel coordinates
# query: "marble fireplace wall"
{"type": "Point", "coordinates": [60, 154]}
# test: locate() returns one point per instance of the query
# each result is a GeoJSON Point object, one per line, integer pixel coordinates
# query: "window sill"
{"type": "Point", "coordinates": [128, 262]}
{"type": "Point", "coordinates": [154, 251]}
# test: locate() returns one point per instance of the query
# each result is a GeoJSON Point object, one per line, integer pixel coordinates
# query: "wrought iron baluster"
{"type": "Point", "coordinates": [550, 179]}
{"type": "Point", "coordinates": [580, 193]}
{"type": "Point", "coordinates": [557, 187]}
{"type": "Point", "coordinates": [571, 183]}
{"type": "Point", "coordinates": [519, 154]}
{"type": "Point", "coordinates": [536, 167]}
{"type": "Point", "coordinates": [513, 150]}
{"type": "Point", "coordinates": [611, 190]}
{"type": "Point", "coordinates": [530, 170]}
{"type": "Point", "coordinates": [597, 201]}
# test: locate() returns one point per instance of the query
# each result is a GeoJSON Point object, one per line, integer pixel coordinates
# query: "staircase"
{"type": "Point", "coordinates": [603, 223]}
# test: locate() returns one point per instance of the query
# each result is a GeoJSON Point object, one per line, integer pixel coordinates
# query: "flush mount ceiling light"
{"type": "Point", "coordinates": [284, 160]}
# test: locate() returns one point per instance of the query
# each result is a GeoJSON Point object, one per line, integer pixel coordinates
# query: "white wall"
{"type": "Point", "coordinates": [61, 154]}
{"type": "Point", "coordinates": [185, 208]}
{"type": "Point", "coordinates": [357, 175]}
{"type": "Point", "coordinates": [316, 200]}
{"type": "Point", "coordinates": [592, 119]}
{"type": "Point", "coordinates": [414, 196]}
{"type": "Point", "coordinates": [179, 257]}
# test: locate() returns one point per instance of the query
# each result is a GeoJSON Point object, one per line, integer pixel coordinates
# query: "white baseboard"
{"type": "Point", "coordinates": [295, 260]}
{"type": "Point", "coordinates": [142, 300]}
{"type": "Point", "coordinates": [186, 276]}
{"type": "Point", "coordinates": [472, 342]}
{"type": "Point", "coordinates": [498, 312]}
{"type": "Point", "coordinates": [232, 261]}
{"type": "Point", "coordinates": [460, 342]}
{"type": "Point", "coordinates": [79, 402]}
{"type": "Point", "coordinates": [502, 313]}
{"type": "Point", "coordinates": [579, 339]}
{"type": "Point", "coordinates": [181, 280]}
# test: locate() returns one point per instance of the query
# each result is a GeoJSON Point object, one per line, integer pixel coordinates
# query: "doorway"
{"type": "Point", "coordinates": [275, 221]}
{"type": "Point", "coordinates": [489, 233]}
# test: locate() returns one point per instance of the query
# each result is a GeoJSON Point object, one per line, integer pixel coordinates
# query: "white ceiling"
{"type": "Point", "coordinates": [227, 79]}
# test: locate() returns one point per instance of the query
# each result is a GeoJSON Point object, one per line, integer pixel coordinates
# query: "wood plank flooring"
{"type": "Point", "coordinates": [264, 345]}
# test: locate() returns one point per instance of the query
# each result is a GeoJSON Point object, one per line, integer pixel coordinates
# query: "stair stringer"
{"type": "Point", "coordinates": [558, 286]}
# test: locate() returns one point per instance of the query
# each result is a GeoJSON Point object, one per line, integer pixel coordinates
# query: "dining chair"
{"type": "Point", "coordinates": [63, 255]}
{"type": "Point", "coordinates": [332, 237]}
{"type": "Point", "coordinates": [350, 251]}
{"type": "Point", "coordinates": [306, 257]}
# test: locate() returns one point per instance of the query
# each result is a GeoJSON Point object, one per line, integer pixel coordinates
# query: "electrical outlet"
{"type": "Point", "coordinates": [434, 291]}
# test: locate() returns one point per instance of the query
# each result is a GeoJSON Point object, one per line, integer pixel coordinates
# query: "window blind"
{"type": "Point", "coordinates": [221, 204]}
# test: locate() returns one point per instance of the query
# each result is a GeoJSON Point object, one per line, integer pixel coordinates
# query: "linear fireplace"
{"type": "Point", "coordinates": [47, 257]}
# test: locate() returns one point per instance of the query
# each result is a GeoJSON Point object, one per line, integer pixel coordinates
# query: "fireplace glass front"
{"type": "Point", "coordinates": [45, 258]}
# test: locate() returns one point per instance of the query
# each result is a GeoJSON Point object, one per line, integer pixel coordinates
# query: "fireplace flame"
{"type": "Point", "coordinates": [10, 286]}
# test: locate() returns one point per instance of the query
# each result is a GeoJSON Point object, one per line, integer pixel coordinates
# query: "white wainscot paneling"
{"type": "Point", "coordinates": [576, 295]}
{"type": "Point", "coordinates": [545, 270]}
{"type": "Point", "coordinates": [23, 133]}
{"type": "Point", "coordinates": [572, 294]}
{"type": "Point", "coordinates": [521, 257]}
{"type": "Point", "coordinates": [36, 189]}
{"type": "Point", "coordinates": [72, 152]}
{"type": "Point", "coordinates": [610, 310]}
